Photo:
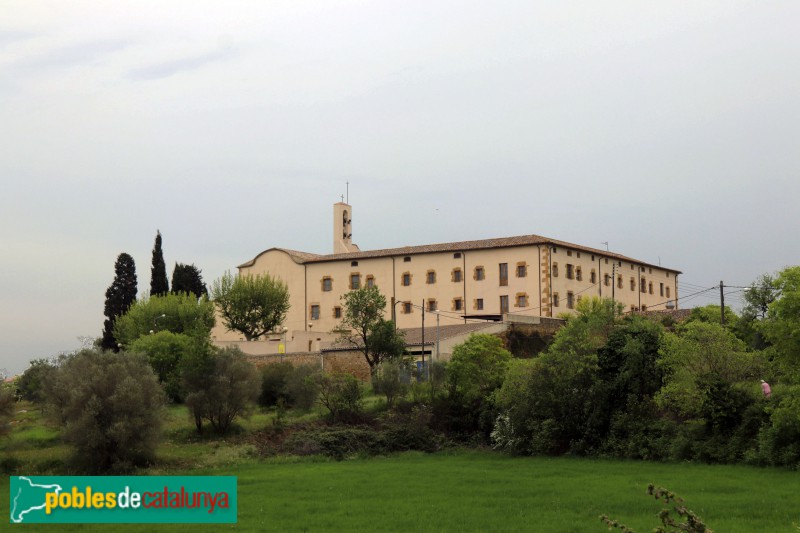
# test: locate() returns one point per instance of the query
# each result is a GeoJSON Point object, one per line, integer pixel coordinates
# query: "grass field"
{"type": "Point", "coordinates": [455, 491]}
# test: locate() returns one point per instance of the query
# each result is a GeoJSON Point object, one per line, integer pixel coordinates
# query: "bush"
{"type": "Point", "coordinates": [302, 386]}
{"type": "Point", "coordinates": [410, 431]}
{"type": "Point", "coordinates": [336, 442]}
{"type": "Point", "coordinates": [228, 390]}
{"type": "Point", "coordinates": [165, 350]}
{"type": "Point", "coordinates": [388, 382]}
{"type": "Point", "coordinates": [273, 383]}
{"type": "Point", "coordinates": [31, 383]}
{"type": "Point", "coordinates": [110, 406]}
{"type": "Point", "coordinates": [341, 395]}
{"type": "Point", "coordinates": [6, 408]}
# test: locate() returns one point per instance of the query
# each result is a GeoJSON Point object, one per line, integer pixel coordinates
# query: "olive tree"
{"type": "Point", "coordinates": [251, 304]}
{"type": "Point", "coordinates": [110, 409]}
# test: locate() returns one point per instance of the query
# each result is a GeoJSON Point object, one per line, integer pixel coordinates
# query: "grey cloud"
{"type": "Point", "coordinates": [9, 37]}
{"type": "Point", "coordinates": [170, 68]}
{"type": "Point", "coordinates": [73, 55]}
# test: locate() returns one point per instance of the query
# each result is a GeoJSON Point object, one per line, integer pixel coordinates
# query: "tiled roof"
{"type": "Point", "coordinates": [483, 244]}
{"type": "Point", "coordinates": [414, 335]}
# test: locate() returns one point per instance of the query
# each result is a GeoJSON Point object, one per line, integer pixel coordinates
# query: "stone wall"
{"type": "Point", "coordinates": [351, 362]}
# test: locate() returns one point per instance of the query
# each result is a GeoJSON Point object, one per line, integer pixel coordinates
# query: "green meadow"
{"type": "Point", "coordinates": [458, 490]}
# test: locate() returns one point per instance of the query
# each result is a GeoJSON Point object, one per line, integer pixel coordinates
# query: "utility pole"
{"type": "Point", "coordinates": [423, 333]}
{"type": "Point", "coordinates": [613, 289]}
{"type": "Point", "coordinates": [722, 302]}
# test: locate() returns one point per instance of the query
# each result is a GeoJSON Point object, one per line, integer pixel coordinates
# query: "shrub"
{"type": "Point", "coordinates": [229, 391]}
{"type": "Point", "coordinates": [302, 386]}
{"type": "Point", "coordinates": [165, 350]}
{"type": "Point", "coordinates": [388, 381]}
{"type": "Point", "coordinates": [336, 442]}
{"type": "Point", "coordinates": [273, 383]}
{"type": "Point", "coordinates": [110, 407]}
{"type": "Point", "coordinates": [6, 408]}
{"type": "Point", "coordinates": [410, 431]}
{"type": "Point", "coordinates": [341, 395]}
{"type": "Point", "coordinates": [31, 383]}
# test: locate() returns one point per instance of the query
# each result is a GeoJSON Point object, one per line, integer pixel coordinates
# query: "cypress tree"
{"type": "Point", "coordinates": [159, 285]}
{"type": "Point", "coordinates": [119, 297]}
{"type": "Point", "coordinates": [188, 278]}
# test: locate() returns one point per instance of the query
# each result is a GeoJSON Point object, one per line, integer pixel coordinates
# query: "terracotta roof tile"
{"type": "Point", "coordinates": [483, 244]}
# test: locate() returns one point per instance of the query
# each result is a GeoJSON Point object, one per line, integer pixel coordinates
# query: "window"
{"type": "Point", "coordinates": [522, 300]}
{"type": "Point", "coordinates": [457, 275]}
{"type": "Point", "coordinates": [327, 284]}
{"type": "Point", "coordinates": [650, 287]}
{"type": "Point", "coordinates": [649, 270]}
{"type": "Point", "coordinates": [431, 278]}
{"type": "Point", "coordinates": [370, 281]}
{"type": "Point", "coordinates": [480, 273]}
{"type": "Point", "coordinates": [643, 285]}
{"type": "Point", "coordinates": [592, 258]}
{"type": "Point", "coordinates": [644, 307]}
{"type": "Point", "coordinates": [314, 312]}
{"type": "Point", "coordinates": [479, 304]}
{"type": "Point", "coordinates": [555, 270]}
{"type": "Point", "coordinates": [606, 260]}
{"type": "Point", "coordinates": [569, 253]}
{"type": "Point", "coordinates": [578, 274]}
{"type": "Point", "coordinates": [406, 307]}
{"type": "Point", "coordinates": [593, 277]}
{"type": "Point", "coordinates": [555, 299]}
{"type": "Point", "coordinates": [432, 305]}
{"type": "Point", "coordinates": [355, 281]}
{"type": "Point", "coordinates": [555, 250]}
{"type": "Point", "coordinates": [570, 300]}
{"type": "Point", "coordinates": [606, 280]}
{"type": "Point", "coordinates": [668, 296]}
{"type": "Point", "coordinates": [570, 271]}
{"type": "Point", "coordinates": [457, 255]}
{"type": "Point", "coordinates": [578, 254]}
{"type": "Point", "coordinates": [661, 289]}
{"type": "Point", "coordinates": [633, 284]}
{"type": "Point", "coordinates": [619, 281]}
{"type": "Point", "coordinates": [504, 304]}
{"type": "Point", "coordinates": [353, 263]}
{"type": "Point", "coordinates": [337, 312]}
{"type": "Point", "coordinates": [522, 270]}
{"type": "Point", "coordinates": [405, 280]}
{"type": "Point", "coordinates": [504, 275]}
{"type": "Point", "coordinates": [458, 304]}
{"type": "Point", "coordinates": [406, 259]}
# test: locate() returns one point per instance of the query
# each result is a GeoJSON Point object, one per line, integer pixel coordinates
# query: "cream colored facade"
{"type": "Point", "coordinates": [465, 281]}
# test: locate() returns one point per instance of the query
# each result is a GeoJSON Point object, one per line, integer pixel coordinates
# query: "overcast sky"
{"type": "Point", "coordinates": [668, 129]}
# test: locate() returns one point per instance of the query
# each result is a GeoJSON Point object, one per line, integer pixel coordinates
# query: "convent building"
{"type": "Point", "coordinates": [460, 282]}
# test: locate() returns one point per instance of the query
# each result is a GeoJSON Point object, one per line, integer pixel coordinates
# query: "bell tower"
{"type": "Point", "coordinates": [343, 229]}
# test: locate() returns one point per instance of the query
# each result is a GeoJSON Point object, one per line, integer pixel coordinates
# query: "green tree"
{"type": "Point", "coordinates": [228, 389]}
{"type": "Point", "coordinates": [6, 408]}
{"type": "Point", "coordinates": [545, 402]}
{"type": "Point", "coordinates": [158, 272]}
{"type": "Point", "coordinates": [111, 411]}
{"type": "Point", "coordinates": [31, 383]}
{"type": "Point", "coordinates": [188, 278]}
{"type": "Point", "coordinates": [164, 351]}
{"type": "Point", "coordinates": [177, 313]}
{"type": "Point", "coordinates": [119, 297]}
{"type": "Point", "coordinates": [478, 366]}
{"type": "Point", "coordinates": [363, 326]}
{"type": "Point", "coordinates": [252, 304]}
{"type": "Point", "coordinates": [782, 325]}
{"type": "Point", "coordinates": [698, 356]}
